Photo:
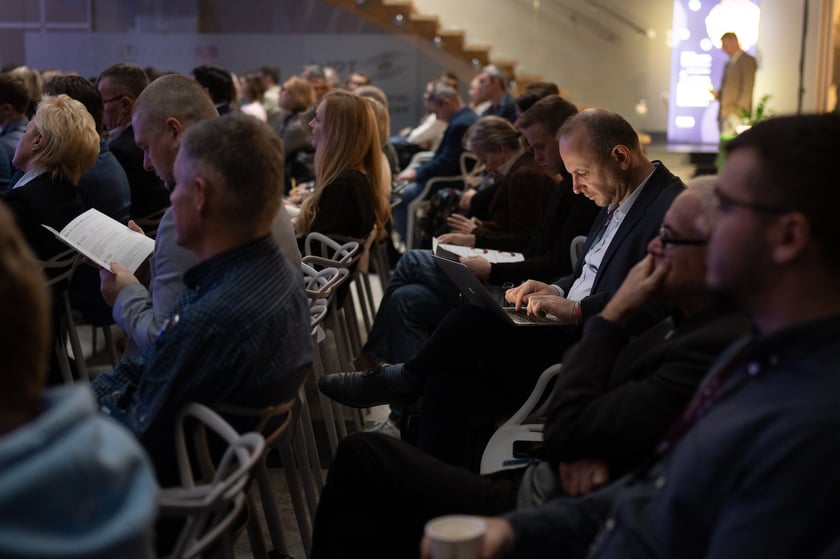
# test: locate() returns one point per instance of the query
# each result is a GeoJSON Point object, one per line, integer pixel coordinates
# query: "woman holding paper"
{"type": "Point", "coordinates": [59, 145]}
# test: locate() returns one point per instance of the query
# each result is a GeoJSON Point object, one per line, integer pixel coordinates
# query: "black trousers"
{"type": "Point", "coordinates": [478, 365]}
{"type": "Point", "coordinates": [380, 492]}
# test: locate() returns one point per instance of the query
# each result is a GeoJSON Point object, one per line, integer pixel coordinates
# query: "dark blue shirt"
{"type": "Point", "coordinates": [238, 334]}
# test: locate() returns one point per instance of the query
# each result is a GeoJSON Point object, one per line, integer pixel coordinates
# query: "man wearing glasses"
{"type": "Point", "coordinates": [613, 401]}
{"type": "Point", "coordinates": [747, 470]}
{"type": "Point", "coordinates": [120, 85]}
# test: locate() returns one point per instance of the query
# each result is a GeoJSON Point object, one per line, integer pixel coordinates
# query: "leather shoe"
{"type": "Point", "coordinates": [363, 389]}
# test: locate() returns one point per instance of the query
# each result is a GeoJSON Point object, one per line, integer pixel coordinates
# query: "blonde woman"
{"type": "Point", "coordinates": [348, 161]}
{"type": "Point", "coordinates": [59, 145]}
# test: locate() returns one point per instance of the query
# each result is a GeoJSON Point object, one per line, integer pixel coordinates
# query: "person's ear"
{"type": "Point", "coordinates": [790, 237]}
{"type": "Point", "coordinates": [175, 128]}
{"type": "Point", "coordinates": [621, 155]}
{"type": "Point", "coordinates": [202, 195]}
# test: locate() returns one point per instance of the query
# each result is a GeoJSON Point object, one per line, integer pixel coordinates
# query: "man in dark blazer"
{"type": "Point", "coordinates": [501, 362]}
{"type": "Point", "coordinates": [448, 107]}
{"type": "Point", "coordinates": [120, 85]}
{"type": "Point", "coordinates": [613, 401]}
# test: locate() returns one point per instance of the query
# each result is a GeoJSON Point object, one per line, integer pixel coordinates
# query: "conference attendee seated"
{"type": "Point", "coordinates": [522, 188]}
{"type": "Point", "coordinates": [105, 185]}
{"type": "Point", "coordinates": [14, 101]}
{"type": "Point", "coordinates": [348, 159]}
{"type": "Point", "coordinates": [502, 361]}
{"type": "Point", "coordinates": [217, 84]}
{"type": "Point", "coordinates": [270, 76]}
{"type": "Point", "coordinates": [492, 86]}
{"type": "Point", "coordinates": [419, 294]}
{"type": "Point", "coordinates": [534, 92]}
{"type": "Point", "coordinates": [72, 482]}
{"type": "Point", "coordinates": [316, 75]}
{"type": "Point", "coordinates": [238, 333]}
{"type": "Point", "coordinates": [742, 471]}
{"type": "Point", "coordinates": [120, 85]}
{"type": "Point", "coordinates": [59, 145]}
{"type": "Point", "coordinates": [448, 107]}
{"type": "Point", "coordinates": [296, 97]}
{"type": "Point", "coordinates": [253, 91]}
{"type": "Point", "coordinates": [614, 399]}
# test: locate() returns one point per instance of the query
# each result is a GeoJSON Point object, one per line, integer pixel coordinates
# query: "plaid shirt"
{"type": "Point", "coordinates": [237, 334]}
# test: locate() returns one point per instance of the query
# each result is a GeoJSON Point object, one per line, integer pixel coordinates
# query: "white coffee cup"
{"type": "Point", "coordinates": [455, 536]}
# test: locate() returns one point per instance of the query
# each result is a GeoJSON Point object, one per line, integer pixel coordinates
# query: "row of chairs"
{"type": "Point", "coordinates": [337, 282]}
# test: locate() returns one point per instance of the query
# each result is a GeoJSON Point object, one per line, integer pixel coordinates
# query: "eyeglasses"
{"type": "Point", "coordinates": [717, 200]}
{"type": "Point", "coordinates": [666, 239]}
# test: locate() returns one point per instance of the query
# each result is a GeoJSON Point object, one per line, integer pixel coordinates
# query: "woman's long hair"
{"type": "Point", "coordinates": [349, 141]}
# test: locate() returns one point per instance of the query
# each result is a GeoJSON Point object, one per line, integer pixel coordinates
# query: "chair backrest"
{"type": "Point", "coordinates": [471, 169]}
{"type": "Point", "coordinates": [576, 249]}
{"type": "Point", "coordinates": [321, 284]}
{"type": "Point", "coordinates": [61, 267]}
{"type": "Point", "coordinates": [209, 508]}
{"type": "Point", "coordinates": [326, 251]}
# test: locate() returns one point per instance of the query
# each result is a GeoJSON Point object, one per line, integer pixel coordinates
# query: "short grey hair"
{"type": "Point", "coordinates": [443, 92]}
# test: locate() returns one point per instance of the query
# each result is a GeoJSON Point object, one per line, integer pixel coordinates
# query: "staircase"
{"type": "Point", "coordinates": [400, 17]}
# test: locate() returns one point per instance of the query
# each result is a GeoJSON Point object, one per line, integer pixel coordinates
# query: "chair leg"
{"type": "Point", "coordinates": [75, 343]}
{"type": "Point", "coordinates": [254, 527]}
{"type": "Point", "coordinates": [326, 403]}
{"type": "Point", "coordinates": [298, 502]}
{"type": "Point", "coordinates": [313, 457]}
{"type": "Point", "coordinates": [272, 516]}
{"type": "Point", "coordinates": [305, 472]}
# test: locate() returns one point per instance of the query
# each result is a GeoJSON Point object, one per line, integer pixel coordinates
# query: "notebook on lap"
{"type": "Point", "coordinates": [475, 293]}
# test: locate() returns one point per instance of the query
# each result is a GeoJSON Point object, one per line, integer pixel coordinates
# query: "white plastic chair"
{"type": "Point", "coordinates": [209, 508]}
{"type": "Point", "coordinates": [525, 425]}
{"type": "Point", "coordinates": [576, 249]}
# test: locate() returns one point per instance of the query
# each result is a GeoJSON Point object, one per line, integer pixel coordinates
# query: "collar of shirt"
{"type": "Point", "coordinates": [625, 206]}
{"type": "Point", "coordinates": [505, 167]}
{"type": "Point", "coordinates": [212, 269]}
{"type": "Point", "coordinates": [115, 133]}
{"type": "Point", "coordinates": [18, 124]}
{"type": "Point", "coordinates": [28, 176]}
{"type": "Point", "coordinates": [736, 56]}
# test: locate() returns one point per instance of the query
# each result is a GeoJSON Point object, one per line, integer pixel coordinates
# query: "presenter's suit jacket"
{"type": "Point", "coordinates": [628, 246]}
{"type": "Point", "coordinates": [736, 86]}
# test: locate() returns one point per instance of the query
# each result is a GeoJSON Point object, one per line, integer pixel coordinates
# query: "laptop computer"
{"type": "Point", "coordinates": [475, 293]}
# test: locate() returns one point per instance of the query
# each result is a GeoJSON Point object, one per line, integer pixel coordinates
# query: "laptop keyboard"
{"type": "Point", "coordinates": [522, 317]}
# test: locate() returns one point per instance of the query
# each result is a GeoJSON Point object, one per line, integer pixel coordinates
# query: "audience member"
{"type": "Point", "coordinates": [253, 91]}
{"type": "Point", "coordinates": [348, 161]}
{"type": "Point", "coordinates": [232, 337]}
{"type": "Point", "coordinates": [426, 136]}
{"type": "Point", "coordinates": [384, 181]}
{"type": "Point", "coordinates": [162, 113]}
{"type": "Point", "coordinates": [32, 79]}
{"type": "Point", "coordinates": [477, 103]}
{"type": "Point", "coordinates": [315, 75]}
{"type": "Point", "coordinates": [614, 400]}
{"type": "Point", "coordinates": [73, 482]}
{"type": "Point", "coordinates": [383, 119]}
{"type": "Point", "coordinates": [448, 107]}
{"type": "Point", "coordinates": [14, 100]}
{"type": "Point", "coordinates": [120, 85]}
{"type": "Point", "coordinates": [493, 88]}
{"type": "Point", "coordinates": [533, 93]}
{"type": "Point", "coordinates": [270, 76]}
{"type": "Point", "coordinates": [296, 97]}
{"type": "Point", "coordinates": [602, 152]}
{"type": "Point", "coordinates": [735, 476]}
{"type": "Point", "coordinates": [59, 145]}
{"type": "Point", "coordinates": [356, 80]}
{"type": "Point", "coordinates": [105, 185]}
{"type": "Point", "coordinates": [217, 84]}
